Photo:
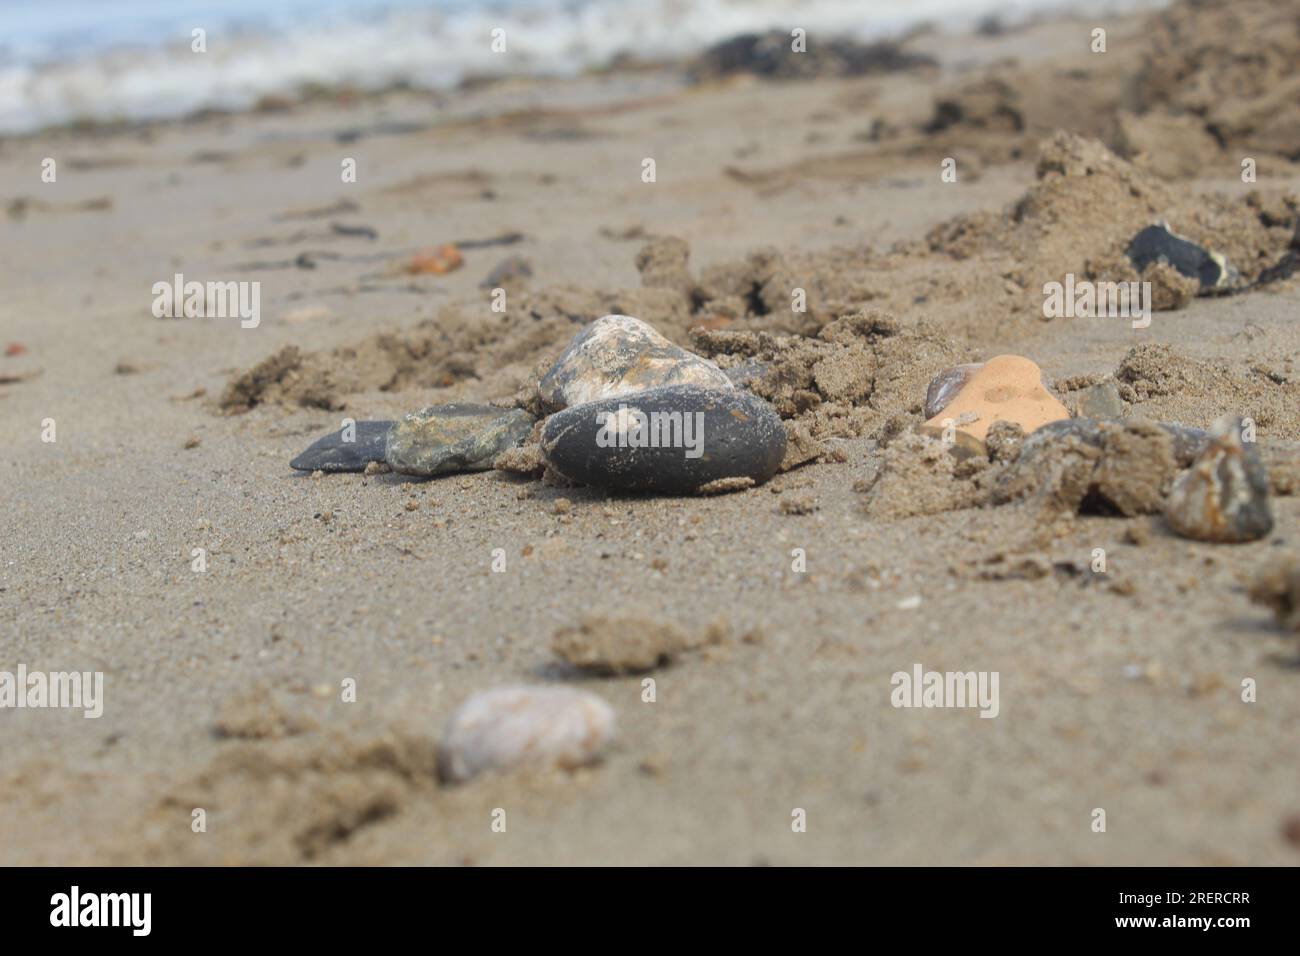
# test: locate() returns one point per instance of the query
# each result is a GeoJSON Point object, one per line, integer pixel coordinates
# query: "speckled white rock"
{"type": "Point", "coordinates": [619, 355]}
{"type": "Point", "coordinates": [511, 728]}
{"type": "Point", "coordinates": [1224, 495]}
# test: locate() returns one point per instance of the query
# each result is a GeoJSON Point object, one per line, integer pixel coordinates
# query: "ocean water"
{"type": "Point", "coordinates": [64, 60]}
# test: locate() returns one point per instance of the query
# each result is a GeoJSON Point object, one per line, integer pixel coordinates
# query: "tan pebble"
{"type": "Point", "coordinates": [1291, 829]}
{"type": "Point", "coordinates": [654, 765]}
{"type": "Point", "coordinates": [306, 314]}
{"type": "Point", "coordinates": [798, 505]}
{"type": "Point", "coordinates": [513, 728]}
{"type": "Point", "coordinates": [1202, 684]}
{"type": "Point", "coordinates": [1138, 533]}
{"type": "Point", "coordinates": [1008, 388]}
{"type": "Point", "coordinates": [619, 645]}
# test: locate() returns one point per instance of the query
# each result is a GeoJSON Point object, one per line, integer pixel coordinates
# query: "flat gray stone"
{"type": "Point", "coordinates": [333, 454]}
{"type": "Point", "coordinates": [1188, 442]}
{"type": "Point", "coordinates": [620, 355]}
{"type": "Point", "coordinates": [1100, 401]}
{"type": "Point", "coordinates": [442, 439]}
{"type": "Point", "coordinates": [674, 440]}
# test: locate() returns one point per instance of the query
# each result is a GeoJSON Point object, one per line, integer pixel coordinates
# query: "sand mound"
{"type": "Point", "coordinates": [999, 116]}
{"type": "Point", "coordinates": [1211, 82]}
{"type": "Point", "coordinates": [1232, 67]}
{"type": "Point", "coordinates": [492, 355]}
{"type": "Point", "coordinates": [917, 475]}
{"type": "Point", "coordinates": [862, 371]}
{"type": "Point", "coordinates": [1165, 385]}
{"type": "Point", "coordinates": [1076, 219]}
{"type": "Point", "coordinates": [493, 350]}
{"type": "Point", "coordinates": [287, 801]}
{"type": "Point", "coordinates": [1088, 204]}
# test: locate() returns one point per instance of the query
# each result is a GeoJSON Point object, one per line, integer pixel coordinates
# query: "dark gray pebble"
{"type": "Point", "coordinates": [332, 453]}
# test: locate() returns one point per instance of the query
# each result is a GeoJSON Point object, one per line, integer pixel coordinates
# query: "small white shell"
{"type": "Point", "coordinates": [507, 728]}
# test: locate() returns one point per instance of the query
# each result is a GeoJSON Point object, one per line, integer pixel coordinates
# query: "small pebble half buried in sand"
{"type": "Point", "coordinates": [1159, 243]}
{"type": "Point", "coordinates": [619, 645]}
{"type": "Point", "coordinates": [1277, 586]}
{"type": "Point", "coordinates": [1224, 495]}
{"type": "Point", "coordinates": [1008, 388]}
{"type": "Point", "coordinates": [513, 728]}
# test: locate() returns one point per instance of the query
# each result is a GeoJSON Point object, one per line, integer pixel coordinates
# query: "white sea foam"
{"type": "Point", "coordinates": [63, 60]}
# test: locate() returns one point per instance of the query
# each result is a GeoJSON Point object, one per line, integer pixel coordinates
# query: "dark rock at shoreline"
{"type": "Point", "coordinates": [771, 55]}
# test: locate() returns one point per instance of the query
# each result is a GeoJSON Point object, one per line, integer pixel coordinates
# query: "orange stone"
{"type": "Point", "coordinates": [446, 258]}
{"type": "Point", "coordinates": [1009, 388]}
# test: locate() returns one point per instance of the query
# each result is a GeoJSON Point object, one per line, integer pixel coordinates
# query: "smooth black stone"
{"type": "Point", "coordinates": [742, 436]}
{"type": "Point", "coordinates": [332, 453]}
{"type": "Point", "coordinates": [1157, 243]}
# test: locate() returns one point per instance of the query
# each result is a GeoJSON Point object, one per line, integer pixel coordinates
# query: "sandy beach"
{"type": "Point", "coordinates": [1120, 690]}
